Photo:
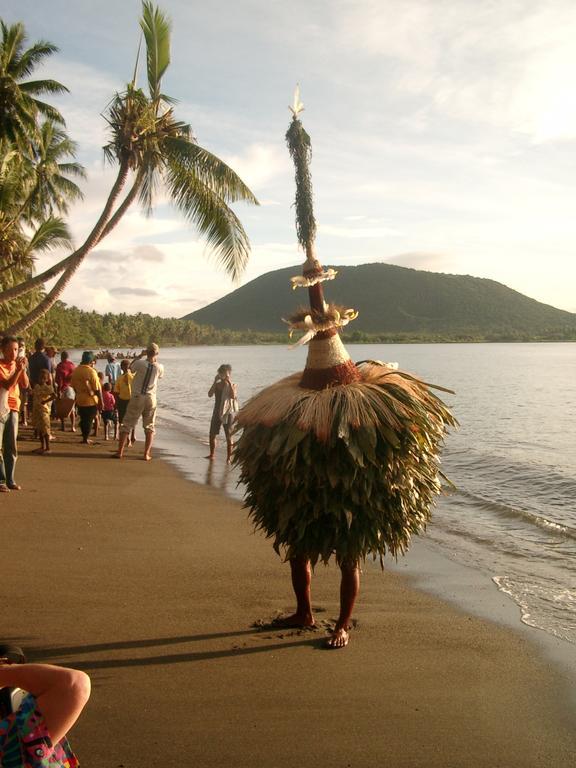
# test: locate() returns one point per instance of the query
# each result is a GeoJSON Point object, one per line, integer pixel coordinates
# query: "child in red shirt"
{"type": "Point", "coordinates": [109, 415]}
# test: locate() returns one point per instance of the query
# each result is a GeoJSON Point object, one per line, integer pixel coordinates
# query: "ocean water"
{"type": "Point", "coordinates": [513, 460]}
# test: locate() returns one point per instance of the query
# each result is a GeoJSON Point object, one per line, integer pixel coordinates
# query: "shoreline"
{"type": "Point", "coordinates": [152, 583]}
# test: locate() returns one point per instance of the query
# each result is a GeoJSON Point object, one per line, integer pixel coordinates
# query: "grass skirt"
{"type": "Point", "coordinates": [350, 471]}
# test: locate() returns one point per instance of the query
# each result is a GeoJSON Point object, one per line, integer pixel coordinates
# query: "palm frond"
{"type": "Point", "coordinates": [209, 169]}
{"type": "Point", "coordinates": [156, 28]}
{"type": "Point", "coordinates": [73, 169]}
{"type": "Point", "coordinates": [213, 218]}
{"type": "Point", "coordinates": [43, 86]}
{"type": "Point", "coordinates": [67, 188]}
{"type": "Point", "coordinates": [52, 233]}
{"type": "Point", "coordinates": [31, 58]}
{"type": "Point", "coordinates": [50, 112]}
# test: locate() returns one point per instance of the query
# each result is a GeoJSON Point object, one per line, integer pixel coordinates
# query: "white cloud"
{"type": "Point", "coordinates": [355, 233]}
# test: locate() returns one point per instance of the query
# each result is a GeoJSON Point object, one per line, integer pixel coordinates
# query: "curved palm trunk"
{"type": "Point", "coordinates": [103, 226]}
{"type": "Point", "coordinates": [70, 264]}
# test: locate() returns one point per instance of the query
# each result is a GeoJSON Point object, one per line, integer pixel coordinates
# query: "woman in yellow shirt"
{"type": "Point", "coordinates": [123, 392]}
{"type": "Point", "coordinates": [85, 382]}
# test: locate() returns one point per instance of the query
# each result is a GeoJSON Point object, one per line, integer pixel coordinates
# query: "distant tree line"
{"type": "Point", "coordinates": [66, 326]}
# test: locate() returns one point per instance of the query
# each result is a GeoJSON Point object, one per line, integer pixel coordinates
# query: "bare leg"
{"type": "Point", "coordinates": [212, 447]}
{"type": "Point", "coordinates": [149, 437]}
{"type": "Point", "coordinates": [72, 421]}
{"type": "Point", "coordinates": [229, 447]}
{"type": "Point", "coordinates": [349, 588]}
{"type": "Point", "coordinates": [122, 444]}
{"type": "Point", "coordinates": [301, 572]}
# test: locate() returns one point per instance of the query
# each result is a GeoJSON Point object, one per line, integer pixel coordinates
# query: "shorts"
{"type": "Point", "coordinates": [109, 416]}
{"type": "Point", "coordinates": [225, 423]}
{"type": "Point", "coordinates": [140, 406]}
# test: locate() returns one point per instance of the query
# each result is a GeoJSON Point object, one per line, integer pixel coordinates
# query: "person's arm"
{"type": "Point", "coordinates": [136, 359]}
{"type": "Point", "coordinates": [49, 398]}
{"type": "Point", "coordinates": [98, 390]}
{"type": "Point", "coordinates": [212, 389]}
{"type": "Point", "coordinates": [18, 377]}
{"type": "Point", "coordinates": [61, 693]}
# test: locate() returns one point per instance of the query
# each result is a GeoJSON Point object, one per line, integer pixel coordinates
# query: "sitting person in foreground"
{"type": "Point", "coordinates": [34, 721]}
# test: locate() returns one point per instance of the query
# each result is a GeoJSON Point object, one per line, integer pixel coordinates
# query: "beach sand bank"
{"type": "Point", "coordinates": [151, 584]}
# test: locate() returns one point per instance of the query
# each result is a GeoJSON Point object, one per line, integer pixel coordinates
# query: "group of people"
{"type": "Point", "coordinates": [33, 388]}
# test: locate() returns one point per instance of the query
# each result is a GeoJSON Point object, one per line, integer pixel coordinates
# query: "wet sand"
{"type": "Point", "coordinates": [152, 583]}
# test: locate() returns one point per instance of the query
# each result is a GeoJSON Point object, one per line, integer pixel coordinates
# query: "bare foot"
{"type": "Point", "coordinates": [210, 457]}
{"type": "Point", "coordinates": [338, 639]}
{"type": "Point", "coordinates": [117, 456]}
{"type": "Point", "coordinates": [295, 621]}
{"type": "Point", "coordinates": [147, 457]}
{"type": "Point", "coordinates": [4, 488]}
{"type": "Point", "coordinates": [87, 442]}
{"type": "Point", "coordinates": [47, 450]}
{"type": "Point", "coordinates": [15, 487]}
{"type": "Point", "coordinates": [73, 429]}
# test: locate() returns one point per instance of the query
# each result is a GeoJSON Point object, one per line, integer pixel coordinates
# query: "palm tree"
{"type": "Point", "coordinates": [53, 189]}
{"type": "Point", "coordinates": [19, 105]}
{"type": "Point", "coordinates": [153, 149]}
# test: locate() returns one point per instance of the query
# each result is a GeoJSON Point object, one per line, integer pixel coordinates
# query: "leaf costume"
{"type": "Point", "coordinates": [340, 459]}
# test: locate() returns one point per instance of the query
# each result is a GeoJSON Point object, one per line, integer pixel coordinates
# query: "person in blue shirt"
{"type": "Point", "coordinates": [112, 370]}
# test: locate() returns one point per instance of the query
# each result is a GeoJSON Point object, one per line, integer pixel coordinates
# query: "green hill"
{"type": "Point", "coordinates": [392, 299]}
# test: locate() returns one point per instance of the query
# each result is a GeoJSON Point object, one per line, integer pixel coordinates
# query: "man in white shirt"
{"type": "Point", "coordinates": [142, 400]}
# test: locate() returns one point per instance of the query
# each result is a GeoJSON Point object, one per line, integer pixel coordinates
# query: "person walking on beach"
{"type": "Point", "coordinates": [109, 413]}
{"type": "Point", "coordinates": [142, 400]}
{"type": "Point", "coordinates": [39, 705]}
{"type": "Point", "coordinates": [38, 361]}
{"type": "Point", "coordinates": [123, 392]}
{"type": "Point", "coordinates": [12, 375]}
{"type": "Point", "coordinates": [85, 382]}
{"type": "Point", "coordinates": [64, 391]}
{"type": "Point", "coordinates": [225, 409]}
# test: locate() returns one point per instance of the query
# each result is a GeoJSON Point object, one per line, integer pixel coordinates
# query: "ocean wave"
{"type": "Point", "coordinates": [546, 606]}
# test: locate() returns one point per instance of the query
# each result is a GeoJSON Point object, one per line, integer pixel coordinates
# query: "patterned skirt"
{"type": "Point", "coordinates": [25, 742]}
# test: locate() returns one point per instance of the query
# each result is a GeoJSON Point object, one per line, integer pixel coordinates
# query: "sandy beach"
{"type": "Point", "coordinates": [152, 584]}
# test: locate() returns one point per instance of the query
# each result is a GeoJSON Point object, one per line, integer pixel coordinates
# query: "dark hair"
{"type": "Point", "coordinates": [9, 340]}
{"type": "Point", "coordinates": [39, 345]}
{"type": "Point", "coordinates": [64, 355]}
{"type": "Point", "coordinates": [106, 386]}
{"type": "Point", "coordinates": [224, 367]}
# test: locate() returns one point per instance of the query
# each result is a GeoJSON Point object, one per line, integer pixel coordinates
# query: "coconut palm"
{"type": "Point", "coordinates": [19, 105]}
{"type": "Point", "coordinates": [154, 150]}
{"type": "Point", "coordinates": [30, 194]}
{"type": "Point", "coordinates": [51, 169]}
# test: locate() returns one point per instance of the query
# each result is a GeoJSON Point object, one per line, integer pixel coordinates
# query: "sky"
{"type": "Point", "coordinates": [443, 133]}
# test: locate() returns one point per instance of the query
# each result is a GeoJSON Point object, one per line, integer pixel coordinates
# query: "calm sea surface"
{"type": "Point", "coordinates": [513, 459]}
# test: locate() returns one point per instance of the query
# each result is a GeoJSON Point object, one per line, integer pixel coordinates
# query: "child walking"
{"type": "Point", "coordinates": [109, 415]}
{"type": "Point", "coordinates": [43, 395]}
